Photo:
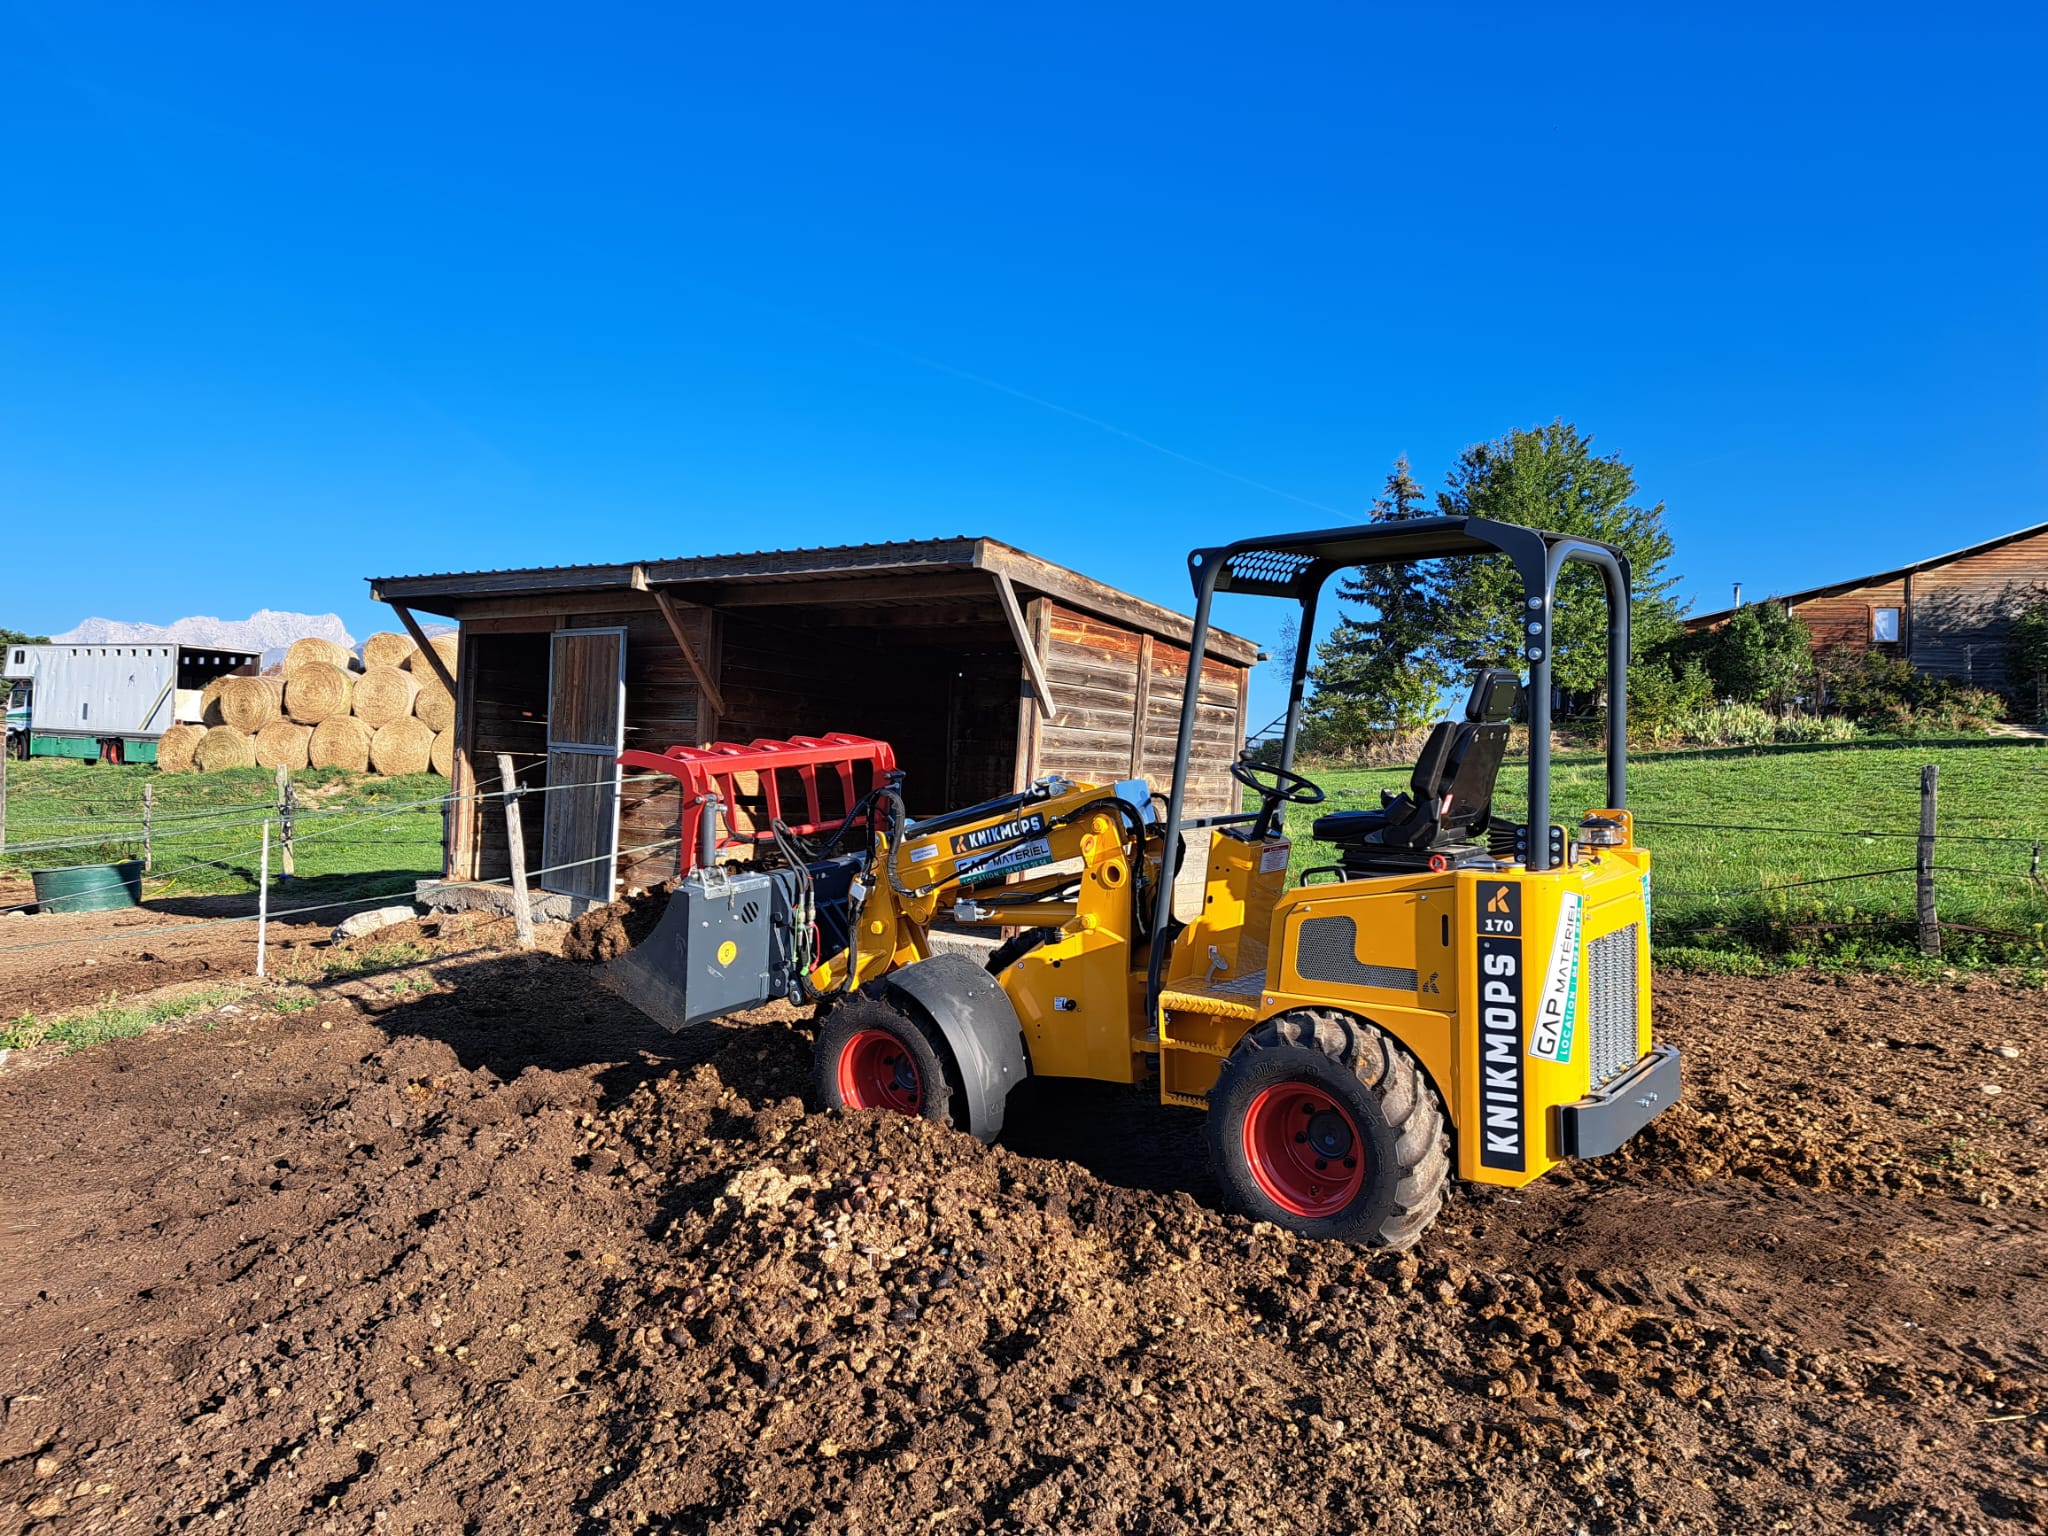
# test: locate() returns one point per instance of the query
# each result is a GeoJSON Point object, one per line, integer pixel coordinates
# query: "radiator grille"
{"type": "Point", "coordinates": [1611, 998]}
{"type": "Point", "coordinates": [1328, 951]}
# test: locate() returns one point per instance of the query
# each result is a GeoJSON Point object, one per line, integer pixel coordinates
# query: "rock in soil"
{"type": "Point", "coordinates": [357, 924]}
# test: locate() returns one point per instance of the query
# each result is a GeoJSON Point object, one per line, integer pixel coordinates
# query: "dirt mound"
{"type": "Point", "coordinates": [480, 1259]}
{"type": "Point", "coordinates": [607, 932]}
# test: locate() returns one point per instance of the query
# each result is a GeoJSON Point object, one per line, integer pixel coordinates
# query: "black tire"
{"type": "Point", "coordinates": [849, 1058]}
{"type": "Point", "coordinates": [1016, 947]}
{"type": "Point", "coordinates": [1318, 1062]}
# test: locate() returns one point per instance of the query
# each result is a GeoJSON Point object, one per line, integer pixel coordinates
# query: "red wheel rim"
{"type": "Point", "coordinates": [1304, 1150]}
{"type": "Point", "coordinates": [876, 1071]}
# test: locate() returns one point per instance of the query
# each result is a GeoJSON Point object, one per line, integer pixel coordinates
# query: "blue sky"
{"type": "Point", "coordinates": [290, 296]}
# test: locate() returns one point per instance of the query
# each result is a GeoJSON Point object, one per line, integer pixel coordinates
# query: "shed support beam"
{"type": "Point", "coordinates": [419, 638]}
{"type": "Point", "coordinates": [1021, 632]}
{"type": "Point", "coordinates": [675, 628]}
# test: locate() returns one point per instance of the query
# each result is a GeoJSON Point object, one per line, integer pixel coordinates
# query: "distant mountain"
{"type": "Point", "coordinates": [265, 630]}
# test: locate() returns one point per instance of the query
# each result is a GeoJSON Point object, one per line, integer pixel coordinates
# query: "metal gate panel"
{"type": "Point", "coordinates": [586, 733]}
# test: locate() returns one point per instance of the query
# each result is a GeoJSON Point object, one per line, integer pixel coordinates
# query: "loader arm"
{"type": "Point", "coordinates": [959, 868]}
{"type": "Point", "coordinates": [813, 932]}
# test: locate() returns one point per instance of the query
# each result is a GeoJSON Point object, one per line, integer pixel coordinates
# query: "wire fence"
{"type": "Point", "coordinates": [137, 829]}
{"type": "Point", "coordinates": [1957, 883]}
{"type": "Point", "coordinates": [1763, 882]}
{"type": "Point", "coordinates": [279, 914]}
{"type": "Point", "coordinates": [221, 850]}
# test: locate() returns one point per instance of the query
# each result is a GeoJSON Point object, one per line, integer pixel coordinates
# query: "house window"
{"type": "Point", "coordinates": [1884, 626]}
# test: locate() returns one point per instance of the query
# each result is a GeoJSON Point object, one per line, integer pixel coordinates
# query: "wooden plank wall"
{"type": "Point", "coordinates": [1844, 620]}
{"type": "Point", "coordinates": [1955, 617]}
{"type": "Point", "coordinates": [1119, 697]}
{"type": "Point", "coordinates": [1963, 610]}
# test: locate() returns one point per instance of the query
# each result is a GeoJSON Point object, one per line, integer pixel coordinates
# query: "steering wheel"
{"type": "Point", "coordinates": [1275, 787]}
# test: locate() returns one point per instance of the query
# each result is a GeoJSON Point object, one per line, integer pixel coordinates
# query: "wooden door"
{"type": "Point", "coordinates": [586, 731]}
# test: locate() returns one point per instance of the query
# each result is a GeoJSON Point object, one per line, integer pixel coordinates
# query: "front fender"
{"type": "Point", "coordinates": [974, 1016]}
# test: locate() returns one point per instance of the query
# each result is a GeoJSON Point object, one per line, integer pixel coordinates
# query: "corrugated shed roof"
{"type": "Point", "coordinates": [891, 546]}
{"type": "Point", "coordinates": [447, 592]}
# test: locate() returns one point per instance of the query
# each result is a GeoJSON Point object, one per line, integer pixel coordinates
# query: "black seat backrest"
{"type": "Point", "coordinates": [1482, 743]}
{"type": "Point", "coordinates": [1450, 793]}
{"type": "Point", "coordinates": [1434, 764]}
{"type": "Point", "coordinates": [1472, 781]}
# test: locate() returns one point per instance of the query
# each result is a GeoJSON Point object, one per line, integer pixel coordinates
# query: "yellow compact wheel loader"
{"type": "Point", "coordinates": [1461, 993]}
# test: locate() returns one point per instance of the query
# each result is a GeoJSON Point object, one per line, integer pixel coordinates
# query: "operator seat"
{"type": "Point", "coordinates": [1450, 794]}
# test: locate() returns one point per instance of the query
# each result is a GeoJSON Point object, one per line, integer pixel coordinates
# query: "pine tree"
{"type": "Point", "coordinates": [1550, 478]}
{"type": "Point", "coordinates": [1379, 672]}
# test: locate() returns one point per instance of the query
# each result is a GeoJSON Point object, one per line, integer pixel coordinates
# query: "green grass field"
{"type": "Point", "coordinates": [1737, 834]}
{"type": "Point", "coordinates": [1726, 894]}
{"type": "Point", "coordinates": [355, 835]}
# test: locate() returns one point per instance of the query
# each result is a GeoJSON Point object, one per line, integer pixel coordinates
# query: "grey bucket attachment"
{"type": "Point", "coordinates": [712, 953]}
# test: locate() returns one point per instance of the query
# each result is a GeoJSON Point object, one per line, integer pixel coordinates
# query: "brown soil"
{"type": "Point", "coordinates": [503, 1257]}
{"type": "Point", "coordinates": [605, 933]}
{"type": "Point", "coordinates": [63, 960]}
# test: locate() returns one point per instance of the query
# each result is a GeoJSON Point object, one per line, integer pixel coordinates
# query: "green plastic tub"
{"type": "Point", "coordinates": [88, 887]}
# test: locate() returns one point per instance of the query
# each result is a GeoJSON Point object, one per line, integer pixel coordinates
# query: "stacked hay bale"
{"type": "Point", "coordinates": [384, 694]}
{"type": "Point", "coordinates": [283, 744]}
{"type": "Point", "coordinates": [223, 746]}
{"type": "Point", "coordinates": [343, 742]}
{"type": "Point", "coordinates": [388, 713]}
{"type": "Point", "coordinates": [247, 704]}
{"type": "Point", "coordinates": [175, 747]}
{"type": "Point", "coordinates": [385, 649]}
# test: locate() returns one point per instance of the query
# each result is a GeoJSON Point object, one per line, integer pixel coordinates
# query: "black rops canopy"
{"type": "Point", "coordinates": [1296, 565]}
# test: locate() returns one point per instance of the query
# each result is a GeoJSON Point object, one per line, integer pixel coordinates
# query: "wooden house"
{"type": "Point", "coordinates": [984, 666]}
{"type": "Point", "coordinates": [1946, 615]}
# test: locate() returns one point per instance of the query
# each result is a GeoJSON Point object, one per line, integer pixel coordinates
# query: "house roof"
{"type": "Point", "coordinates": [838, 573]}
{"type": "Point", "coordinates": [1876, 579]}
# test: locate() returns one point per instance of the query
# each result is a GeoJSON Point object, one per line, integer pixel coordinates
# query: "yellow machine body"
{"type": "Point", "coordinates": [1519, 994]}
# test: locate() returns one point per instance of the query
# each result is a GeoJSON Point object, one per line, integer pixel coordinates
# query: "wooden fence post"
{"type": "Point", "coordinates": [1923, 866]}
{"type": "Point", "coordinates": [6, 751]}
{"type": "Point", "coordinates": [515, 840]}
{"type": "Point", "coordinates": [148, 805]}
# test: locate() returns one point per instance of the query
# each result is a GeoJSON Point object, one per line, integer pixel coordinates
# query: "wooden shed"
{"type": "Point", "coordinates": [1947, 614]}
{"type": "Point", "coordinates": [984, 666]}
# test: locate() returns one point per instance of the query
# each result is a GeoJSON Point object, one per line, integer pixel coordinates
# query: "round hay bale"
{"type": "Point", "coordinates": [434, 703]}
{"type": "Point", "coordinates": [303, 653]}
{"type": "Point", "coordinates": [385, 649]}
{"type": "Point", "coordinates": [343, 742]}
{"type": "Point", "coordinates": [224, 747]}
{"type": "Point", "coordinates": [250, 703]}
{"type": "Point", "coordinates": [384, 694]}
{"type": "Point", "coordinates": [404, 746]}
{"type": "Point", "coordinates": [284, 744]}
{"type": "Point", "coordinates": [445, 646]}
{"type": "Point", "coordinates": [442, 759]}
{"type": "Point", "coordinates": [174, 748]}
{"type": "Point", "coordinates": [209, 701]}
{"type": "Point", "coordinates": [316, 692]}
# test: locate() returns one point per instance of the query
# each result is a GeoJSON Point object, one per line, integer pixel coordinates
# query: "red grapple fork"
{"type": "Point", "coordinates": [709, 777]}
